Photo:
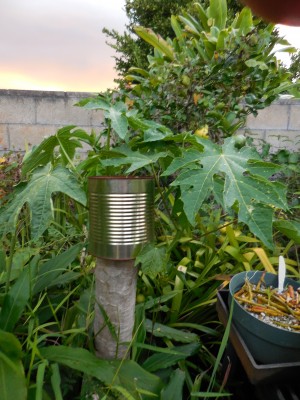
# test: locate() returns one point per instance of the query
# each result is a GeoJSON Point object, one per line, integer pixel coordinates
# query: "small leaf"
{"type": "Point", "coordinates": [94, 103]}
{"type": "Point", "coordinates": [244, 21]}
{"type": "Point", "coordinates": [12, 382]}
{"type": "Point", "coordinates": [152, 260]}
{"type": "Point", "coordinates": [252, 63]}
{"type": "Point", "coordinates": [135, 158]}
{"type": "Point", "coordinates": [16, 299]}
{"type": "Point", "coordinates": [118, 121]}
{"type": "Point", "coordinates": [290, 229]}
{"type": "Point", "coordinates": [165, 331]}
{"type": "Point", "coordinates": [164, 360]}
{"type": "Point", "coordinates": [175, 386]}
{"type": "Point", "coordinates": [51, 270]}
{"type": "Point", "coordinates": [218, 11]}
{"type": "Point", "coordinates": [155, 40]}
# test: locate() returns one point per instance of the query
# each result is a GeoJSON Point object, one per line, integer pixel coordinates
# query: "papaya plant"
{"type": "Point", "coordinates": [238, 175]}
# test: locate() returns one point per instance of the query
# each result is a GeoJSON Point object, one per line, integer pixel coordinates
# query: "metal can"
{"type": "Point", "coordinates": [121, 216]}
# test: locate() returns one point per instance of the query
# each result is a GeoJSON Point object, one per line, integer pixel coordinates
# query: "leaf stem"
{"type": "Point", "coordinates": [10, 260]}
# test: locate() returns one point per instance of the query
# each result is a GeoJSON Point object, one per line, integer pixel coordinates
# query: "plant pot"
{"type": "Point", "coordinates": [268, 344]}
{"type": "Point", "coordinates": [120, 215]}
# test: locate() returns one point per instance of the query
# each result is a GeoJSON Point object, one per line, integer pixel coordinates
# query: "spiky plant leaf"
{"type": "Point", "coordinates": [246, 184]}
{"type": "Point", "coordinates": [66, 141]}
{"type": "Point", "coordinates": [38, 195]}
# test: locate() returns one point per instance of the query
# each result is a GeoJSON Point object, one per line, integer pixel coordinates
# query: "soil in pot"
{"type": "Point", "coordinates": [266, 339]}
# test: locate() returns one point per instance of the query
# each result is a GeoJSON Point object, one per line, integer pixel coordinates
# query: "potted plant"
{"type": "Point", "coordinates": [267, 317]}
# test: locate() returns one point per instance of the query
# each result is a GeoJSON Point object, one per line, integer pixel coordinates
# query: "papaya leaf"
{"type": "Point", "coordinates": [118, 119]}
{"type": "Point", "coordinates": [66, 139]}
{"type": "Point", "coordinates": [93, 103]}
{"type": "Point", "coordinates": [245, 184]}
{"type": "Point", "coordinates": [136, 159]}
{"type": "Point", "coordinates": [38, 195]}
{"type": "Point", "coordinates": [152, 260]}
{"type": "Point", "coordinates": [153, 131]}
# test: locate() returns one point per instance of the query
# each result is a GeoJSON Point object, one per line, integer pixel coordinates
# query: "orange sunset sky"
{"type": "Point", "coordinates": [59, 45]}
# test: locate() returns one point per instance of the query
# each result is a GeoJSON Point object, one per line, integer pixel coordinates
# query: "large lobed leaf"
{"type": "Point", "coordinates": [246, 184]}
{"type": "Point", "coordinates": [38, 195]}
{"type": "Point", "coordinates": [66, 140]}
{"type": "Point", "coordinates": [136, 159]}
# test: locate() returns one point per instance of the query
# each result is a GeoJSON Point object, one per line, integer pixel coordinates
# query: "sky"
{"type": "Point", "coordinates": [59, 44]}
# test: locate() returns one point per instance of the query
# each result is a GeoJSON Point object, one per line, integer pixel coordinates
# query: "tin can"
{"type": "Point", "coordinates": [121, 216]}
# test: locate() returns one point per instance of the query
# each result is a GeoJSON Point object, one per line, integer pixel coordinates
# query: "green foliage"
{"type": "Point", "coordinates": [214, 73]}
{"type": "Point", "coordinates": [295, 66]}
{"type": "Point", "coordinates": [246, 184]}
{"type": "Point", "coordinates": [174, 389]}
{"type": "Point", "coordinates": [220, 208]}
{"type": "Point", "coordinates": [11, 368]}
{"type": "Point", "coordinates": [130, 49]}
{"type": "Point", "coordinates": [201, 168]}
{"type": "Point", "coordinates": [10, 166]}
{"type": "Point", "coordinates": [114, 374]}
{"type": "Point", "coordinates": [153, 260]}
{"type": "Point", "coordinates": [38, 195]}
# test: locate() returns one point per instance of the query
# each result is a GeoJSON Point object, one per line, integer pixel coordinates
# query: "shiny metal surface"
{"type": "Point", "coordinates": [121, 216]}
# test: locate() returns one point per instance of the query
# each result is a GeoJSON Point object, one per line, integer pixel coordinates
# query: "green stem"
{"type": "Point", "coordinates": [10, 260]}
{"type": "Point", "coordinates": [108, 136]}
{"type": "Point", "coordinates": [163, 198]}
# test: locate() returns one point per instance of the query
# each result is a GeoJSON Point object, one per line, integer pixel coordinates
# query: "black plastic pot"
{"type": "Point", "coordinates": [267, 343]}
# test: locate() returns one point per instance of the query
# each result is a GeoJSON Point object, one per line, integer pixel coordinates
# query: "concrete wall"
{"type": "Point", "coordinates": [26, 117]}
{"type": "Point", "coordinates": [278, 125]}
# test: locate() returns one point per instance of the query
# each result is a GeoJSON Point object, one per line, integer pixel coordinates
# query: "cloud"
{"type": "Point", "coordinates": [58, 41]}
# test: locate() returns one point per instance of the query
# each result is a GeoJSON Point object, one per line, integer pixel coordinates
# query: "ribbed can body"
{"type": "Point", "coordinates": [120, 216]}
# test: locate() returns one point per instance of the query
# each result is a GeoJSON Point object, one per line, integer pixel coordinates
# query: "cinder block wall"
{"type": "Point", "coordinates": [26, 117]}
{"type": "Point", "coordinates": [278, 125]}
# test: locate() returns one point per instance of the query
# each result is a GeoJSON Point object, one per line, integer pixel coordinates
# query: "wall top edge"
{"type": "Point", "coordinates": [44, 93]}
{"type": "Point", "coordinates": [61, 94]}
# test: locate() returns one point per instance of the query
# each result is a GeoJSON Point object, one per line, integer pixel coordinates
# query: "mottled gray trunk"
{"type": "Point", "coordinates": [116, 294]}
